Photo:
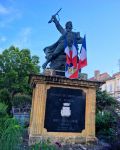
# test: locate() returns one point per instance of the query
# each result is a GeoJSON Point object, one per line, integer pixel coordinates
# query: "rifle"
{"type": "Point", "coordinates": [54, 15]}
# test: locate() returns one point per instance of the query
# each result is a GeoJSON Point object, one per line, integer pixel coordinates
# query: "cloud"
{"type": "Point", "coordinates": [8, 15]}
{"type": "Point", "coordinates": [24, 38]}
{"type": "Point", "coordinates": [3, 39]}
{"type": "Point", "coordinates": [9, 19]}
{"type": "Point", "coordinates": [25, 34]}
{"type": "Point", "coordinates": [4, 10]}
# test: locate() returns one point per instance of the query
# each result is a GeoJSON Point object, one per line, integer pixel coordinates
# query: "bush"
{"type": "Point", "coordinates": [21, 100]}
{"type": "Point", "coordinates": [10, 130]}
{"type": "Point", "coordinates": [105, 100]}
{"type": "Point", "coordinates": [6, 98]}
{"type": "Point", "coordinates": [105, 124]}
{"type": "Point", "coordinates": [3, 110]}
{"type": "Point", "coordinates": [12, 135]}
{"type": "Point", "coordinates": [45, 145]}
{"type": "Point", "coordinates": [3, 117]}
{"type": "Point", "coordinates": [106, 117]}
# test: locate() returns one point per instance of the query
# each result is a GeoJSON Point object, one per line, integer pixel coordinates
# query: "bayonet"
{"type": "Point", "coordinates": [54, 15]}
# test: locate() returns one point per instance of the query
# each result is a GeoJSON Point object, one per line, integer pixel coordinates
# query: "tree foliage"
{"type": "Point", "coordinates": [5, 98]}
{"type": "Point", "coordinates": [104, 100]}
{"type": "Point", "coordinates": [15, 67]}
{"type": "Point", "coordinates": [106, 116]}
{"type": "Point", "coordinates": [3, 109]}
{"type": "Point", "coordinates": [21, 100]}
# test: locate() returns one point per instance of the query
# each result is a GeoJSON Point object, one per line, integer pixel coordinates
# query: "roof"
{"type": "Point", "coordinates": [116, 74]}
{"type": "Point", "coordinates": [101, 77]}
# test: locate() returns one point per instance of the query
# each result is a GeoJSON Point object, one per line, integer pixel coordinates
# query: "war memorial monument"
{"type": "Point", "coordinates": [63, 109]}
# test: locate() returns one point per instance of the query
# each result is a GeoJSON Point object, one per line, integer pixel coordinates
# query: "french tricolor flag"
{"type": "Point", "coordinates": [73, 65]}
{"type": "Point", "coordinates": [71, 69]}
{"type": "Point", "coordinates": [83, 55]}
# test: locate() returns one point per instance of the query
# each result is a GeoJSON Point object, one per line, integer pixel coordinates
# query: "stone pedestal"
{"type": "Point", "coordinates": [62, 109]}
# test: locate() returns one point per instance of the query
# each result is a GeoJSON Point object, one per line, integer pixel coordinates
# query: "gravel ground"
{"type": "Point", "coordinates": [98, 146]}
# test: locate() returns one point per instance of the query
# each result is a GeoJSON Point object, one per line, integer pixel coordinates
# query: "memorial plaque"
{"type": "Point", "coordinates": [65, 110]}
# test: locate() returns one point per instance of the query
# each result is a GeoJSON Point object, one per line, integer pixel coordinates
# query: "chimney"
{"type": "Point", "coordinates": [97, 74]}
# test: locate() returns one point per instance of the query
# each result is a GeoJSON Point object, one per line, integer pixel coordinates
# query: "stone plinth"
{"type": "Point", "coordinates": [62, 109]}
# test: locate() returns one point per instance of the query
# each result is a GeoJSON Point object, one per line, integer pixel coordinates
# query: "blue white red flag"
{"type": "Point", "coordinates": [73, 65]}
{"type": "Point", "coordinates": [83, 55]}
{"type": "Point", "coordinates": [71, 70]}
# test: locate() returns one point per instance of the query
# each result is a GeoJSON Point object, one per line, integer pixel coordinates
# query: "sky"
{"type": "Point", "coordinates": [24, 24]}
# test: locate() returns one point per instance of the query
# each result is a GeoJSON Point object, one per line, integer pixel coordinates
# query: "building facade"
{"type": "Point", "coordinates": [111, 85]}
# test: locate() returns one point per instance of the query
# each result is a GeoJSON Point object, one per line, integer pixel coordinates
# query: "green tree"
{"type": "Point", "coordinates": [4, 96]}
{"type": "Point", "coordinates": [104, 100]}
{"type": "Point", "coordinates": [106, 116]}
{"type": "Point", "coordinates": [15, 67]}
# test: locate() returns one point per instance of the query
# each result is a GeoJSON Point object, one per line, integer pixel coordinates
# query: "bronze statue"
{"type": "Point", "coordinates": [55, 53]}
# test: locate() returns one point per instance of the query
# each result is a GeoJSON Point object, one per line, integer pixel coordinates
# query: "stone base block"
{"type": "Point", "coordinates": [62, 140]}
{"type": "Point", "coordinates": [63, 110]}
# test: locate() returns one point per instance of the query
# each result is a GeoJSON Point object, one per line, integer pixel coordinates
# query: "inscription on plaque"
{"type": "Point", "coordinates": [65, 110]}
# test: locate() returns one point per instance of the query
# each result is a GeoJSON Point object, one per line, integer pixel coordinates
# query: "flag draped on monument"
{"type": "Point", "coordinates": [73, 63]}
{"type": "Point", "coordinates": [71, 70]}
{"type": "Point", "coordinates": [83, 55]}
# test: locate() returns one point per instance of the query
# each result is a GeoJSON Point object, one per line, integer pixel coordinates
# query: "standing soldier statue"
{"type": "Point", "coordinates": [55, 53]}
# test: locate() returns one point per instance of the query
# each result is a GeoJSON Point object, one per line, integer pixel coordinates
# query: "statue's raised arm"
{"type": "Point", "coordinates": [58, 25]}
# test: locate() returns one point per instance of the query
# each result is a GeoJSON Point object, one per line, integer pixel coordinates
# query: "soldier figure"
{"type": "Point", "coordinates": [55, 53]}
